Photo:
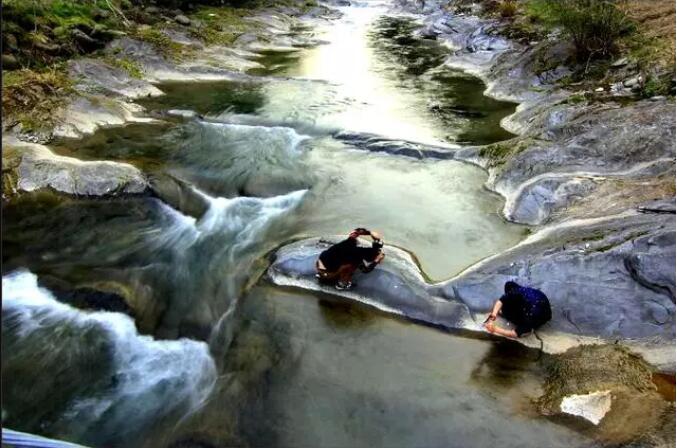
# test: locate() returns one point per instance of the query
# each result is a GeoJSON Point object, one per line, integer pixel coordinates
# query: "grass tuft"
{"type": "Point", "coordinates": [30, 97]}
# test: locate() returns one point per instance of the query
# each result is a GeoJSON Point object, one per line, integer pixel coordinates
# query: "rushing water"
{"type": "Point", "coordinates": [207, 361]}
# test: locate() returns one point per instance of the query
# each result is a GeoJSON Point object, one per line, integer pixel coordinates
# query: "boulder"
{"type": "Point", "coordinates": [40, 168]}
{"type": "Point", "coordinates": [395, 286]}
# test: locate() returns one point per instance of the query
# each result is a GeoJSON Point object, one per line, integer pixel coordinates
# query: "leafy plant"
{"type": "Point", "coordinates": [595, 26]}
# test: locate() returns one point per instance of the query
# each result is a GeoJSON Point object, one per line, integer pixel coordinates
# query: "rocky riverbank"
{"type": "Point", "coordinates": [594, 177]}
{"type": "Point", "coordinates": [127, 68]}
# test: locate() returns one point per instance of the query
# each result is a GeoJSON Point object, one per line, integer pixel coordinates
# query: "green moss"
{"type": "Point", "coordinates": [222, 25]}
{"type": "Point", "coordinates": [498, 153]}
{"type": "Point", "coordinates": [44, 28]}
{"type": "Point", "coordinates": [131, 67]}
{"type": "Point", "coordinates": [576, 99]}
{"type": "Point", "coordinates": [162, 43]}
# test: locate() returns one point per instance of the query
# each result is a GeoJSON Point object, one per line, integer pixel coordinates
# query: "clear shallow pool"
{"type": "Point", "coordinates": [309, 371]}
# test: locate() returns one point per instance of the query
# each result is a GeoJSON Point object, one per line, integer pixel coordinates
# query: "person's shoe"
{"type": "Point", "coordinates": [343, 286]}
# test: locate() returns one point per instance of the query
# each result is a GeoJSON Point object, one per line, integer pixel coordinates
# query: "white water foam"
{"type": "Point", "coordinates": [265, 139]}
{"type": "Point", "coordinates": [154, 378]}
{"type": "Point", "coordinates": [246, 216]}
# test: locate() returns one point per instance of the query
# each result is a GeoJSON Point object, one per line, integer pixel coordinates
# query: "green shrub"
{"type": "Point", "coordinates": [658, 85]}
{"type": "Point", "coordinates": [595, 26]}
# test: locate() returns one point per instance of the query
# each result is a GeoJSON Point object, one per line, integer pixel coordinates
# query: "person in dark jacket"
{"type": "Point", "coordinates": [527, 308]}
{"type": "Point", "coordinates": [338, 263]}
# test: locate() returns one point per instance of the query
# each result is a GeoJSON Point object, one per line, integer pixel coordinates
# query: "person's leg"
{"type": "Point", "coordinates": [323, 275]}
{"type": "Point", "coordinates": [345, 273]}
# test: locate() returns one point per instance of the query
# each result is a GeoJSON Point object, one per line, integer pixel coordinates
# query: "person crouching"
{"type": "Point", "coordinates": [527, 308]}
{"type": "Point", "coordinates": [337, 264]}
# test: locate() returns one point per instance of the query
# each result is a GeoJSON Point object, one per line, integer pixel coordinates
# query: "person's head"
{"type": "Point", "coordinates": [511, 287]}
{"type": "Point", "coordinates": [358, 232]}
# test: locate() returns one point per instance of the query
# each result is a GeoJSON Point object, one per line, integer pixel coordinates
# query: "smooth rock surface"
{"type": "Point", "coordinates": [582, 268]}
{"type": "Point", "coordinates": [40, 168]}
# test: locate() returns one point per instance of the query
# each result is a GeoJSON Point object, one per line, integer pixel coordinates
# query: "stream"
{"type": "Point", "coordinates": [212, 355]}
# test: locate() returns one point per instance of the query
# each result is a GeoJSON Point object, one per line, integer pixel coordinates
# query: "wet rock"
{"type": "Point", "coordinates": [9, 62]}
{"type": "Point", "coordinates": [581, 269]}
{"type": "Point", "coordinates": [666, 205]}
{"type": "Point", "coordinates": [396, 286]}
{"type": "Point", "coordinates": [86, 297]}
{"type": "Point", "coordinates": [42, 169]}
{"type": "Point", "coordinates": [96, 75]}
{"type": "Point", "coordinates": [179, 195]}
{"type": "Point", "coordinates": [536, 202]}
{"type": "Point", "coordinates": [182, 20]}
{"type": "Point", "coordinates": [246, 38]}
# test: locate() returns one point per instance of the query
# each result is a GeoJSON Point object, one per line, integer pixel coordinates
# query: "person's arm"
{"type": "Point", "coordinates": [494, 329]}
{"type": "Point", "coordinates": [379, 257]}
{"type": "Point", "coordinates": [495, 310]}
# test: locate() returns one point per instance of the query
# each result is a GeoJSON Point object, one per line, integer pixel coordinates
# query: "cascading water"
{"type": "Point", "coordinates": [111, 382]}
